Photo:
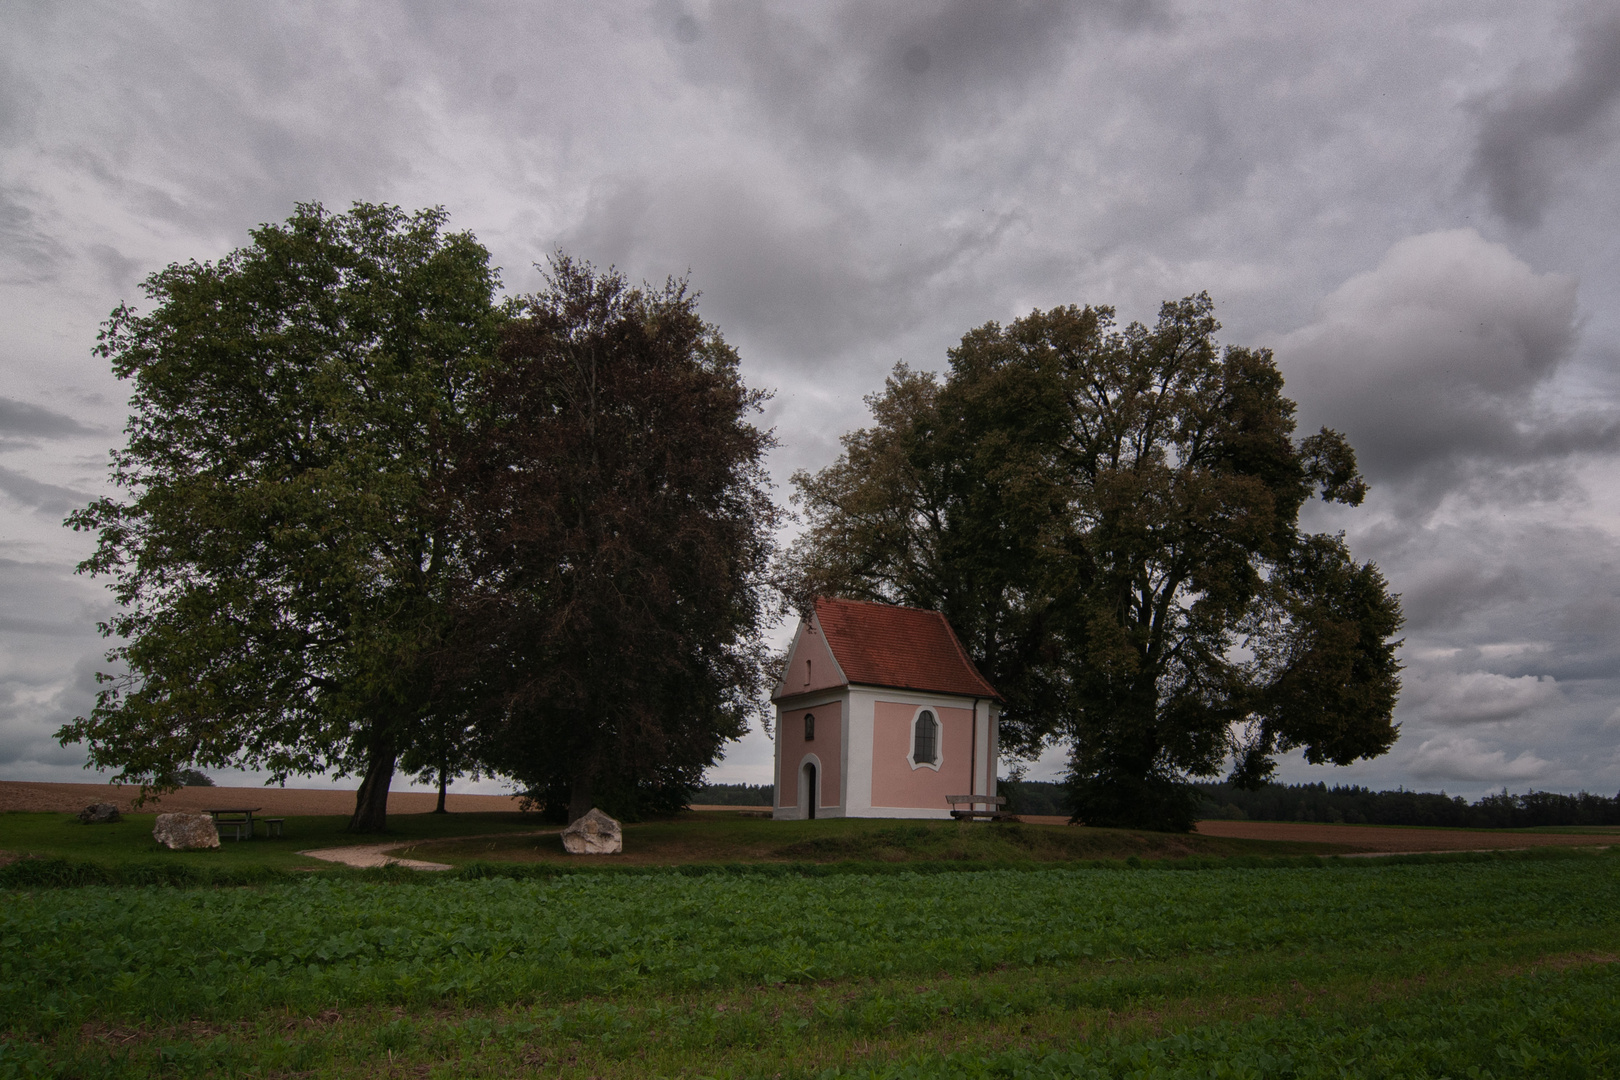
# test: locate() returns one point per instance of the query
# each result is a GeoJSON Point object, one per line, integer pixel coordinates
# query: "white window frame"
{"type": "Point", "coordinates": [939, 740]}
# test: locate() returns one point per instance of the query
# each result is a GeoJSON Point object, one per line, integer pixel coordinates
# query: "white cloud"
{"type": "Point", "coordinates": [1477, 697]}
{"type": "Point", "coordinates": [1435, 355]}
{"type": "Point", "coordinates": [1450, 758]}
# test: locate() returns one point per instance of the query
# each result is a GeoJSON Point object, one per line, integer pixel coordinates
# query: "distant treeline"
{"type": "Point", "coordinates": [1035, 796]}
{"type": "Point", "coordinates": [734, 795]}
{"type": "Point", "coordinates": [1358, 805]}
{"type": "Point", "coordinates": [1298, 802]}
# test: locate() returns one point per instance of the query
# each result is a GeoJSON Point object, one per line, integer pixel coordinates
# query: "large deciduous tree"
{"type": "Point", "coordinates": [280, 562]}
{"type": "Point", "coordinates": [952, 501]}
{"type": "Point", "coordinates": [616, 523]}
{"type": "Point", "coordinates": [1111, 517]}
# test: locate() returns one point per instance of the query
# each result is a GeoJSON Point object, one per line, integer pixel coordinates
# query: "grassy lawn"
{"type": "Point", "coordinates": [1474, 966]}
{"type": "Point", "coordinates": [128, 854]}
{"type": "Point", "coordinates": [707, 837]}
{"type": "Point", "coordinates": [130, 841]}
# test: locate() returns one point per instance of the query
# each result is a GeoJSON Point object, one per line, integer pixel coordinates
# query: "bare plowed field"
{"type": "Point", "coordinates": [1382, 838]}
{"type": "Point", "coordinates": [71, 798]}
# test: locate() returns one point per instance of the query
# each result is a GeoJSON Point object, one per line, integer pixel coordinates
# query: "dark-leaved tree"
{"type": "Point", "coordinates": [280, 563]}
{"type": "Point", "coordinates": [616, 523]}
{"type": "Point", "coordinates": [1111, 520]}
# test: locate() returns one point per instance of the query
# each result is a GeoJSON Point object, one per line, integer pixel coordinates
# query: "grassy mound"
{"type": "Point", "coordinates": [728, 837]}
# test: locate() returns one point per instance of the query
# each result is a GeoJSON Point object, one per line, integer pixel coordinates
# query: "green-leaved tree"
{"type": "Point", "coordinates": [278, 555]}
{"type": "Point", "coordinates": [1110, 518]}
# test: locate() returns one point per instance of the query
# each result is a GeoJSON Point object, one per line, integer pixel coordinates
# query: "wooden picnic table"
{"type": "Point", "coordinates": [240, 818]}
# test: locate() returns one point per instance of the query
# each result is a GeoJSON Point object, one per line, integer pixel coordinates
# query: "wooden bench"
{"type": "Point", "coordinates": [272, 826]}
{"type": "Point", "coordinates": [962, 807]}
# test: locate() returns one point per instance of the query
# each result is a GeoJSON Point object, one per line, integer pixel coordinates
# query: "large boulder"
{"type": "Point", "coordinates": [593, 834]}
{"type": "Point", "coordinates": [101, 813]}
{"type": "Point", "coordinates": [187, 831]}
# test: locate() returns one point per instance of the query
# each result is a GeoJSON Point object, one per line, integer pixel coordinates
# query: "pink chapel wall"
{"type": "Point", "coordinates": [894, 781]}
{"type": "Point", "coordinates": [811, 666]}
{"type": "Point", "coordinates": [828, 748]}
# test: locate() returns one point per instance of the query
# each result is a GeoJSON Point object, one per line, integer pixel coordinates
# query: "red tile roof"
{"type": "Point", "coordinates": [901, 647]}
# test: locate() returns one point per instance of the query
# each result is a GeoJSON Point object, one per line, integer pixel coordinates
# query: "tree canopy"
{"type": "Point", "coordinates": [280, 560]}
{"type": "Point", "coordinates": [615, 521]}
{"type": "Point", "coordinates": [1110, 518]}
{"type": "Point", "coordinates": [375, 517]}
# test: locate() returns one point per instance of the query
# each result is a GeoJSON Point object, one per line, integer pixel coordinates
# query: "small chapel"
{"type": "Point", "coordinates": [880, 713]}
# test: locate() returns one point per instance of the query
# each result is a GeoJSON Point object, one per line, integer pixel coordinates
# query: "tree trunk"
{"type": "Point", "coordinates": [444, 780]}
{"type": "Point", "coordinates": [371, 801]}
{"type": "Point", "coordinates": [579, 797]}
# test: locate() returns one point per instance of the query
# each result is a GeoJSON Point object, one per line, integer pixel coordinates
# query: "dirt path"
{"type": "Point", "coordinates": [367, 855]}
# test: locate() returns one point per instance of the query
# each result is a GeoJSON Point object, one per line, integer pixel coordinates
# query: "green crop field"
{"type": "Point", "coordinates": [1464, 967]}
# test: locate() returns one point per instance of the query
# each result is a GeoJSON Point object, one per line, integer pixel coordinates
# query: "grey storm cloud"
{"type": "Point", "coordinates": [49, 654]}
{"type": "Point", "coordinates": [32, 710]}
{"type": "Point", "coordinates": [19, 418]}
{"type": "Point", "coordinates": [1435, 357]}
{"type": "Point", "coordinates": [37, 603]}
{"type": "Point", "coordinates": [203, 101]}
{"type": "Point", "coordinates": [1447, 592]}
{"type": "Point", "coordinates": [47, 498]}
{"type": "Point", "coordinates": [852, 184]}
{"type": "Point", "coordinates": [1452, 365]}
{"type": "Point", "coordinates": [1508, 593]}
{"type": "Point", "coordinates": [890, 80]}
{"type": "Point", "coordinates": [795, 269]}
{"type": "Point", "coordinates": [28, 251]}
{"type": "Point", "coordinates": [1532, 134]}
{"type": "Point", "coordinates": [1512, 647]}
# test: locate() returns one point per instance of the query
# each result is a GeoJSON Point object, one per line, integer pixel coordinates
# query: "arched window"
{"type": "Point", "coordinates": [809, 727]}
{"type": "Point", "coordinates": [925, 745]}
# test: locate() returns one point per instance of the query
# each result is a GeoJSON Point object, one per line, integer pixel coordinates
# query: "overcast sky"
{"type": "Point", "coordinates": [1405, 200]}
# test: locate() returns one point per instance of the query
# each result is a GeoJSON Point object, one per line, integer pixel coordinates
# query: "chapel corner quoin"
{"type": "Point", "coordinates": [880, 714]}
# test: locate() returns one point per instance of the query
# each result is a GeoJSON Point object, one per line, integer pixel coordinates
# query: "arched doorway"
{"type": "Point", "coordinates": [807, 784]}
